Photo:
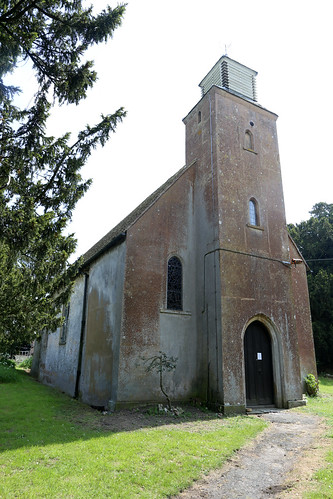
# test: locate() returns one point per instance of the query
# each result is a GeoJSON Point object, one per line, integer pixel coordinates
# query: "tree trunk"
{"type": "Point", "coordinates": [161, 386]}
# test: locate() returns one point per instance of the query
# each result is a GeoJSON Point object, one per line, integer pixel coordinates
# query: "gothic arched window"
{"type": "Point", "coordinates": [253, 212]}
{"type": "Point", "coordinates": [175, 284]}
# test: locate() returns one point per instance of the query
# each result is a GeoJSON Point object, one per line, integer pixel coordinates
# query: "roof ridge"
{"type": "Point", "coordinates": [132, 217]}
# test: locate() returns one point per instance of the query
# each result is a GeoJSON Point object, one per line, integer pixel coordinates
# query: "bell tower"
{"type": "Point", "coordinates": [242, 239]}
{"type": "Point", "coordinates": [232, 76]}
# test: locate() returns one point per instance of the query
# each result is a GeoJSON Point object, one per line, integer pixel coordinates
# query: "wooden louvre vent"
{"type": "Point", "coordinates": [232, 76]}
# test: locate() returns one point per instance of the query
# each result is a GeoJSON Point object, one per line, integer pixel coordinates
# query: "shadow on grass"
{"type": "Point", "coordinates": [32, 414]}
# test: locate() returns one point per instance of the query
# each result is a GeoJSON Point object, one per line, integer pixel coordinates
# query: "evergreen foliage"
{"type": "Point", "coordinates": [40, 181]}
{"type": "Point", "coordinates": [314, 237]}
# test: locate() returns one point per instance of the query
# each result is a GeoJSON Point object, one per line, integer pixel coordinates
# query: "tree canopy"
{"type": "Point", "coordinates": [314, 238]}
{"type": "Point", "coordinates": [40, 180]}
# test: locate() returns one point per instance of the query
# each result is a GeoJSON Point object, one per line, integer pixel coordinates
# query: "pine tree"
{"type": "Point", "coordinates": [40, 181]}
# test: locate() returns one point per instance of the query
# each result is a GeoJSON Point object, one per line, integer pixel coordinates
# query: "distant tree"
{"type": "Point", "coordinates": [314, 238]}
{"type": "Point", "coordinates": [40, 181]}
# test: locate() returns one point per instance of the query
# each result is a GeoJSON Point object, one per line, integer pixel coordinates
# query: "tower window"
{"type": "Point", "coordinates": [253, 212]}
{"type": "Point", "coordinates": [199, 117]}
{"type": "Point", "coordinates": [248, 140]}
{"type": "Point", "coordinates": [175, 284]}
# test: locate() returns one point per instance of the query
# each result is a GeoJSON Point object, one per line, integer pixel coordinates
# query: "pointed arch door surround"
{"type": "Point", "coordinates": [258, 365]}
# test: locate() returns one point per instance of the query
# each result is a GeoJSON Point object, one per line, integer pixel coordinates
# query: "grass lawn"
{"type": "Point", "coordinates": [323, 407]}
{"type": "Point", "coordinates": [54, 446]}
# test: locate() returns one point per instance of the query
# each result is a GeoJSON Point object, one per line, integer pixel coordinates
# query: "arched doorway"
{"type": "Point", "coordinates": [258, 365]}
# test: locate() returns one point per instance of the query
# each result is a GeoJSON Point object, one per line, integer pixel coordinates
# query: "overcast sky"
{"type": "Point", "coordinates": [153, 67]}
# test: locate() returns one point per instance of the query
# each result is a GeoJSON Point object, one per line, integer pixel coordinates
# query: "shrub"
{"type": "Point", "coordinates": [26, 363]}
{"type": "Point", "coordinates": [8, 374]}
{"type": "Point", "coordinates": [312, 385]}
{"type": "Point", "coordinates": [6, 362]}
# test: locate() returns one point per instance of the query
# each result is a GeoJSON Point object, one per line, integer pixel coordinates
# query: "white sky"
{"type": "Point", "coordinates": [153, 67]}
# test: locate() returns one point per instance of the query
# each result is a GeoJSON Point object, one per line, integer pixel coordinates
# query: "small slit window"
{"type": "Point", "coordinates": [175, 284]}
{"type": "Point", "coordinates": [199, 117]}
{"type": "Point", "coordinates": [248, 140]}
{"type": "Point", "coordinates": [253, 212]}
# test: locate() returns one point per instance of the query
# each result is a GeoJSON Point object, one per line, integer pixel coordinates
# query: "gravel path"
{"type": "Point", "coordinates": [260, 470]}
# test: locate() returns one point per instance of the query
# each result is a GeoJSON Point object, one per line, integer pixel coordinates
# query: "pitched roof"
{"type": "Point", "coordinates": [118, 233]}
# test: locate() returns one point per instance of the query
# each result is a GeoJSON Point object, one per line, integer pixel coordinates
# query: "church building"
{"type": "Point", "coordinates": [204, 270]}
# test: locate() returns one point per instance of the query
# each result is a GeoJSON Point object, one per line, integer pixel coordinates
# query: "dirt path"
{"type": "Point", "coordinates": [278, 463]}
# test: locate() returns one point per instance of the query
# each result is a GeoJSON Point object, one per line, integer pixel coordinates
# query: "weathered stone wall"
{"type": "Point", "coordinates": [200, 152]}
{"type": "Point", "coordinates": [302, 316]}
{"type": "Point", "coordinates": [244, 274]}
{"type": "Point", "coordinates": [99, 367]}
{"type": "Point", "coordinates": [255, 282]}
{"type": "Point", "coordinates": [166, 229]}
{"type": "Point", "coordinates": [57, 362]}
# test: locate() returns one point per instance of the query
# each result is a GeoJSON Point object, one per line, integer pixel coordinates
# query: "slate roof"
{"type": "Point", "coordinates": [118, 233]}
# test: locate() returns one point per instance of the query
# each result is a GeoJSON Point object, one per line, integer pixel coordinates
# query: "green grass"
{"type": "Point", "coordinates": [53, 446]}
{"type": "Point", "coordinates": [323, 407]}
{"type": "Point", "coordinates": [8, 373]}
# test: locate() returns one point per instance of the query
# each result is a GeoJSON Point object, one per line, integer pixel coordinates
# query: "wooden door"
{"type": "Point", "coordinates": [258, 365]}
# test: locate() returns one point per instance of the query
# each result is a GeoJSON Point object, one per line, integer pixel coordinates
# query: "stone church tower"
{"type": "Point", "coordinates": [259, 341]}
{"type": "Point", "coordinates": [203, 270]}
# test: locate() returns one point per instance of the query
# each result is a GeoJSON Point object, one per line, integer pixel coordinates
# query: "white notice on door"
{"type": "Point", "coordinates": [259, 356]}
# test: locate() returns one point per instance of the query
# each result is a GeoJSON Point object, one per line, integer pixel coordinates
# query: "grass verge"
{"type": "Point", "coordinates": [53, 446]}
{"type": "Point", "coordinates": [323, 407]}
